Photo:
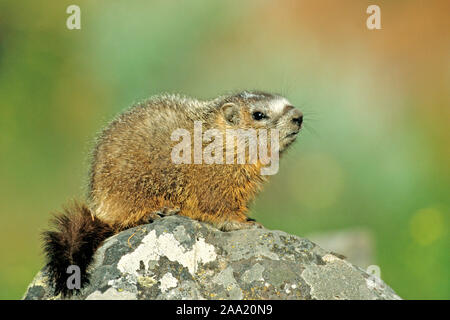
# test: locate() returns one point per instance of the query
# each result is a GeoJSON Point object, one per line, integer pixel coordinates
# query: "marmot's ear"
{"type": "Point", "coordinates": [231, 113]}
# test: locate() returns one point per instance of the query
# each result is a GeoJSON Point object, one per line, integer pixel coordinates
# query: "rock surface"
{"type": "Point", "coordinates": [179, 258]}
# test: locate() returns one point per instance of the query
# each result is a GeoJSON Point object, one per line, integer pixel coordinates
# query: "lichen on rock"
{"type": "Point", "coordinates": [179, 258]}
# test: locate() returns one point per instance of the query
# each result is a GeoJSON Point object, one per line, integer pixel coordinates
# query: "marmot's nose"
{"type": "Point", "coordinates": [297, 118]}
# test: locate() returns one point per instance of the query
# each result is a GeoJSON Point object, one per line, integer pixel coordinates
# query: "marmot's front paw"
{"type": "Point", "coordinates": [155, 215]}
{"type": "Point", "coordinates": [254, 225]}
{"type": "Point", "coordinates": [165, 212]}
{"type": "Point", "coordinates": [149, 218]}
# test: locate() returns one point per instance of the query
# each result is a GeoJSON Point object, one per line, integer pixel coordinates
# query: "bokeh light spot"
{"type": "Point", "coordinates": [427, 225]}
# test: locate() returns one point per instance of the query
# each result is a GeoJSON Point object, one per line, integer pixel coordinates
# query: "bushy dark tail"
{"type": "Point", "coordinates": [77, 235]}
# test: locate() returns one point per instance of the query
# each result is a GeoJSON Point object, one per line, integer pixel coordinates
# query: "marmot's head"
{"type": "Point", "coordinates": [261, 110]}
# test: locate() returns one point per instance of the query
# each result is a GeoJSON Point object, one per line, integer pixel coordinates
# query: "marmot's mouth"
{"type": "Point", "coordinates": [292, 134]}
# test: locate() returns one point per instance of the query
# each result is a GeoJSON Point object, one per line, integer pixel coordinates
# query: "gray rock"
{"type": "Point", "coordinates": [179, 258]}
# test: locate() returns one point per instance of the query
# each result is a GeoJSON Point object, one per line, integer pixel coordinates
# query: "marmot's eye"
{"type": "Point", "coordinates": [259, 115]}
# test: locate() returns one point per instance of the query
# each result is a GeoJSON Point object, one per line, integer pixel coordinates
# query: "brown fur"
{"type": "Point", "coordinates": [132, 175]}
{"type": "Point", "coordinates": [76, 236]}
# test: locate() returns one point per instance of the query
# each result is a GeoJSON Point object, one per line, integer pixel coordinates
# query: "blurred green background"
{"type": "Point", "coordinates": [374, 153]}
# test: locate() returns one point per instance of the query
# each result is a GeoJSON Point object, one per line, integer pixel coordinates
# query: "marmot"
{"type": "Point", "coordinates": [134, 180]}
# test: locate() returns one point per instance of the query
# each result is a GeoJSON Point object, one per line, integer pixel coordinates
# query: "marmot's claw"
{"type": "Point", "coordinates": [165, 212]}
{"type": "Point", "coordinates": [155, 215]}
{"type": "Point", "coordinates": [150, 218]}
{"type": "Point", "coordinates": [256, 225]}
